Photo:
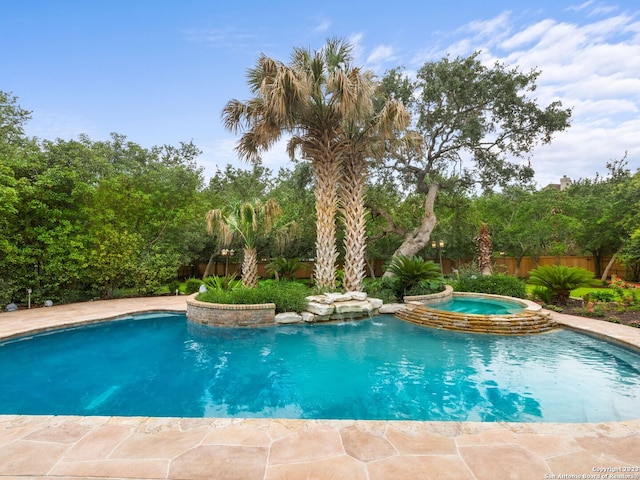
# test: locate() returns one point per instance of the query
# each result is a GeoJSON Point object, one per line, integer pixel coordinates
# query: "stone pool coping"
{"type": "Point", "coordinates": [74, 447]}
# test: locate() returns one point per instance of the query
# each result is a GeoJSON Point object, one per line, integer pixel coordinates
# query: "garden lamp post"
{"type": "Point", "coordinates": [226, 253]}
{"type": "Point", "coordinates": [438, 246]}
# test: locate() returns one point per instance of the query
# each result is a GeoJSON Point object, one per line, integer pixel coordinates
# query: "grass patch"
{"type": "Point", "coordinates": [582, 291]}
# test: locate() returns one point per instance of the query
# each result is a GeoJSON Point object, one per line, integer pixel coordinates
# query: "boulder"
{"type": "Point", "coordinates": [353, 306]}
{"type": "Point", "coordinates": [391, 308]}
{"type": "Point", "coordinates": [357, 295]}
{"type": "Point", "coordinates": [307, 317]}
{"type": "Point", "coordinates": [288, 317]}
{"type": "Point", "coordinates": [376, 303]}
{"type": "Point", "coordinates": [320, 308]}
{"type": "Point", "coordinates": [338, 297]}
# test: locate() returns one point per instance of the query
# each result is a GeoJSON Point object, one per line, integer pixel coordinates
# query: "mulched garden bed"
{"type": "Point", "coordinates": [605, 312]}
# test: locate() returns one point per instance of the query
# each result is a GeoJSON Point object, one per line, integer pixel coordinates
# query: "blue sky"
{"type": "Point", "coordinates": [161, 71]}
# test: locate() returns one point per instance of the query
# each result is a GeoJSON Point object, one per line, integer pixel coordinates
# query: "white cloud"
{"type": "Point", "coordinates": [381, 54]}
{"type": "Point", "coordinates": [322, 26]}
{"type": "Point", "coordinates": [527, 36]}
{"type": "Point", "coordinates": [582, 6]}
{"type": "Point", "coordinates": [223, 37]}
{"type": "Point", "coordinates": [488, 28]}
{"type": "Point", "coordinates": [355, 40]}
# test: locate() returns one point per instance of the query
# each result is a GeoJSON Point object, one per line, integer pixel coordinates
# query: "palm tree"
{"type": "Point", "coordinates": [249, 221]}
{"type": "Point", "coordinates": [560, 280]}
{"type": "Point", "coordinates": [311, 99]}
{"type": "Point", "coordinates": [484, 250]}
{"type": "Point", "coordinates": [365, 139]}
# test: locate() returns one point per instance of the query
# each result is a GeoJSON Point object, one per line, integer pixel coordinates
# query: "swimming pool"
{"type": "Point", "coordinates": [161, 365]}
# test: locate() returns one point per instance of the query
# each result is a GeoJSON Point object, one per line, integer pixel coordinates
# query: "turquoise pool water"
{"type": "Point", "coordinates": [488, 306]}
{"type": "Point", "coordinates": [384, 368]}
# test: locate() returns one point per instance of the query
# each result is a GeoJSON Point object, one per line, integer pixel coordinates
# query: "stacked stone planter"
{"type": "Point", "coordinates": [319, 308]}
{"type": "Point", "coordinates": [224, 315]}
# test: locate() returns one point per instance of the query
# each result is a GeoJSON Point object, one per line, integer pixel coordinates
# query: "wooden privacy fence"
{"type": "Point", "coordinates": [501, 265]}
{"type": "Point", "coordinates": [508, 264]}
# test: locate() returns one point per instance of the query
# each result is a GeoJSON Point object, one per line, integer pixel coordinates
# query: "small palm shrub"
{"type": "Point", "coordinates": [284, 269]}
{"type": "Point", "coordinates": [542, 294]}
{"type": "Point", "coordinates": [410, 272]}
{"type": "Point", "coordinates": [560, 280]}
{"type": "Point", "coordinates": [228, 282]}
{"type": "Point", "coordinates": [498, 284]}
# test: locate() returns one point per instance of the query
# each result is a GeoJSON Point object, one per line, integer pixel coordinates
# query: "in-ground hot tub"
{"type": "Point", "coordinates": [501, 315]}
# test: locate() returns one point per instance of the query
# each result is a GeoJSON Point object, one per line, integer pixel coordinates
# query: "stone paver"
{"type": "Point", "coordinates": [75, 448]}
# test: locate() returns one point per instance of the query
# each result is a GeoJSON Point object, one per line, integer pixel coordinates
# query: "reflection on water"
{"type": "Point", "coordinates": [374, 369]}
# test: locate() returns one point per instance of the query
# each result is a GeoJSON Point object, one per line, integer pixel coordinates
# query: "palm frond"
{"type": "Point", "coordinates": [217, 225]}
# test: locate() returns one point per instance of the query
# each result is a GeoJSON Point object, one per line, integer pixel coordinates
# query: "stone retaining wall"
{"type": "Point", "coordinates": [224, 315]}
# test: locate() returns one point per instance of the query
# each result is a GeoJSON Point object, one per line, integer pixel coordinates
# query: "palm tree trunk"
{"type": "Point", "coordinates": [250, 267]}
{"type": "Point", "coordinates": [353, 217]}
{"type": "Point", "coordinates": [327, 174]}
{"type": "Point", "coordinates": [484, 250]}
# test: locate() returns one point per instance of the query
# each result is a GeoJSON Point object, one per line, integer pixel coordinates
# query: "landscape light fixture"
{"type": "Point", "coordinates": [226, 253]}
{"type": "Point", "coordinates": [439, 246]}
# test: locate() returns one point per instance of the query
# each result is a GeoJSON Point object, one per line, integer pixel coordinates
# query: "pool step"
{"type": "Point", "coordinates": [511, 324]}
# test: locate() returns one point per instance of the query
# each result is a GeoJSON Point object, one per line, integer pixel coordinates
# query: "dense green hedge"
{"type": "Point", "coordinates": [288, 296]}
{"type": "Point", "coordinates": [498, 284]}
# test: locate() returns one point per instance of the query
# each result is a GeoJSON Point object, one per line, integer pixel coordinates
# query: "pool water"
{"type": "Point", "coordinates": [474, 305]}
{"type": "Point", "coordinates": [383, 368]}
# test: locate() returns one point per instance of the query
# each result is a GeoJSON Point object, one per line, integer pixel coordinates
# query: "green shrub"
{"type": "Point", "coordinates": [383, 288]}
{"type": "Point", "coordinates": [498, 284]}
{"type": "Point", "coordinates": [601, 296]}
{"type": "Point", "coordinates": [228, 282]}
{"type": "Point", "coordinates": [593, 310]}
{"type": "Point", "coordinates": [542, 293]}
{"type": "Point", "coordinates": [173, 286]}
{"type": "Point", "coordinates": [560, 280]}
{"type": "Point", "coordinates": [288, 296]}
{"type": "Point", "coordinates": [192, 286]}
{"type": "Point", "coordinates": [411, 271]}
{"type": "Point", "coordinates": [426, 287]}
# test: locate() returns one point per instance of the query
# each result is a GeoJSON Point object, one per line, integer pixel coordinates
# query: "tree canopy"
{"type": "Point", "coordinates": [473, 125]}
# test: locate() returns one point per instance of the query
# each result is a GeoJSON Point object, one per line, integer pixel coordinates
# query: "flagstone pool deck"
{"type": "Point", "coordinates": [73, 447]}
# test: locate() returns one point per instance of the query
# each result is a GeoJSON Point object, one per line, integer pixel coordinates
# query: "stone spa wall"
{"type": "Point", "coordinates": [531, 320]}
